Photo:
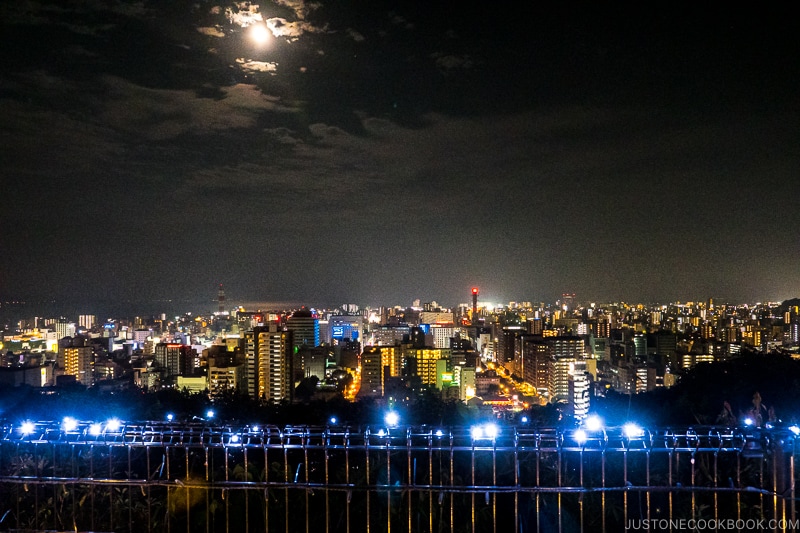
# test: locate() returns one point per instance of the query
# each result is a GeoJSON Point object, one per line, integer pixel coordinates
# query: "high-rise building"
{"type": "Point", "coordinates": [78, 360]}
{"type": "Point", "coordinates": [86, 321]}
{"type": "Point", "coordinates": [377, 364]}
{"type": "Point", "coordinates": [567, 351]}
{"type": "Point", "coordinates": [64, 328]}
{"type": "Point", "coordinates": [269, 363]}
{"type": "Point", "coordinates": [175, 359]}
{"type": "Point", "coordinates": [388, 335]}
{"type": "Point", "coordinates": [579, 385]}
{"type": "Point", "coordinates": [345, 328]}
{"type": "Point", "coordinates": [304, 327]}
{"type": "Point", "coordinates": [426, 359]}
{"type": "Point", "coordinates": [536, 364]}
{"type": "Point", "coordinates": [442, 335]}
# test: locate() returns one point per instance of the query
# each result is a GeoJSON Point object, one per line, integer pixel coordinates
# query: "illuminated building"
{"type": "Point", "coordinates": [566, 352]}
{"type": "Point", "coordinates": [196, 385]}
{"type": "Point", "coordinates": [225, 378]}
{"type": "Point", "coordinates": [561, 369]}
{"type": "Point", "coordinates": [378, 363]}
{"type": "Point", "coordinates": [139, 336]}
{"type": "Point", "coordinates": [436, 317]}
{"type": "Point", "coordinates": [304, 327]}
{"type": "Point", "coordinates": [388, 335]}
{"type": "Point", "coordinates": [444, 377]}
{"type": "Point", "coordinates": [64, 328]}
{"type": "Point", "coordinates": [86, 321]}
{"type": "Point", "coordinates": [175, 359]}
{"type": "Point", "coordinates": [268, 369]}
{"type": "Point", "coordinates": [441, 336]}
{"type": "Point", "coordinates": [426, 360]}
{"type": "Point", "coordinates": [579, 384]}
{"type": "Point", "coordinates": [345, 328]}
{"type": "Point", "coordinates": [466, 384]}
{"type": "Point", "coordinates": [535, 364]}
{"type": "Point", "coordinates": [78, 360]}
{"type": "Point", "coordinates": [689, 360]}
{"type": "Point", "coordinates": [567, 346]}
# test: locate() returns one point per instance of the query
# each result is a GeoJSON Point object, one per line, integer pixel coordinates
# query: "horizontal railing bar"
{"type": "Point", "coordinates": [447, 489]}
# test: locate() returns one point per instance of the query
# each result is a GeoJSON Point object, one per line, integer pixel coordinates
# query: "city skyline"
{"type": "Point", "coordinates": [370, 153]}
{"type": "Point", "coordinates": [114, 309]}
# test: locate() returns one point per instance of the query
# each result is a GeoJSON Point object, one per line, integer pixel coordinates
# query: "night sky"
{"type": "Point", "coordinates": [377, 152]}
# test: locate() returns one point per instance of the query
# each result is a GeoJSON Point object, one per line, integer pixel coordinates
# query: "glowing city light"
{"type": "Point", "coordinates": [95, 429]}
{"type": "Point", "coordinates": [580, 436]}
{"type": "Point", "coordinates": [170, 416]}
{"type": "Point", "coordinates": [27, 428]}
{"type": "Point", "coordinates": [210, 413]}
{"type": "Point", "coordinates": [748, 421]}
{"type": "Point", "coordinates": [333, 420]}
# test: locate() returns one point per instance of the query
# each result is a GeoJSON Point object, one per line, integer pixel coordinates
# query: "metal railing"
{"type": "Point", "coordinates": [193, 477]}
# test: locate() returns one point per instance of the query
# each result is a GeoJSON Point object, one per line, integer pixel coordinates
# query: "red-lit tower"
{"type": "Point", "coordinates": [474, 302]}
{"type": "Point", "coordinates": [221, 298]}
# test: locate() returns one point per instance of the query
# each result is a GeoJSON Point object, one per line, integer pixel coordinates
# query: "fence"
{"type": "Point", "coordinates": [189, 477]}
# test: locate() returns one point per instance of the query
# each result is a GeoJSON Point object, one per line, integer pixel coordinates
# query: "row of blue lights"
{"type": "Point", "coordinates": [590, 426]}
{"type": "Point", "coordinates": [594, 424]}
{"type": "Point", "coordinates": [69, 424]}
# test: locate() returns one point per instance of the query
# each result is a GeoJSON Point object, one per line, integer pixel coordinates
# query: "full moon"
{"type": "Point", "coordinates": [259, 33]}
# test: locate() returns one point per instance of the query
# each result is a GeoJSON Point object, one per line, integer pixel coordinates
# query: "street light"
{"type": "Point", "coordinates": [27, 428]}
{"type": "Point", "coordinates": [593, 423]}
{"type": "Point", "coordinates": [391, 418]}
{"type": "Point", "coordinates": [69, 424]}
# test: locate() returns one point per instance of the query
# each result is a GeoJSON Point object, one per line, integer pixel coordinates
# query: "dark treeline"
{"type": "Point", "coordinates": [700, 395]}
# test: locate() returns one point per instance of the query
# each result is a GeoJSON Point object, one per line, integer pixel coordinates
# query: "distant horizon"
{"type": "Point", "coordinates": [179, 307]}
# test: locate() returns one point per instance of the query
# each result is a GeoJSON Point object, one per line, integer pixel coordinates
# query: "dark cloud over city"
{"type": "Point", "coordinates": [376, 152]}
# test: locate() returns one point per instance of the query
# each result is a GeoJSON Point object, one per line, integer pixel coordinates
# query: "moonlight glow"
{"type": "Point", "coordinates": [259, 33]}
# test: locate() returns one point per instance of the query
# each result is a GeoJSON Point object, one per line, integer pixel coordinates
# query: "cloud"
{"type": "Point", "coordinates": [257, 66]}
{"type": "Point", "coordinates": [211, 31]}
{"type": "Point", "coordinates": [281, 27]}
{"type": "Point", "coordinates": [301, 8]}
{"type": "Point", "coordinates": [356, 36]}
{"type": "Point", "coordinates": [244, 14]}
{"type": "Point", "coordinates": [448, 62]}
{"type": "Point", "coordinates": [159, 114]}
